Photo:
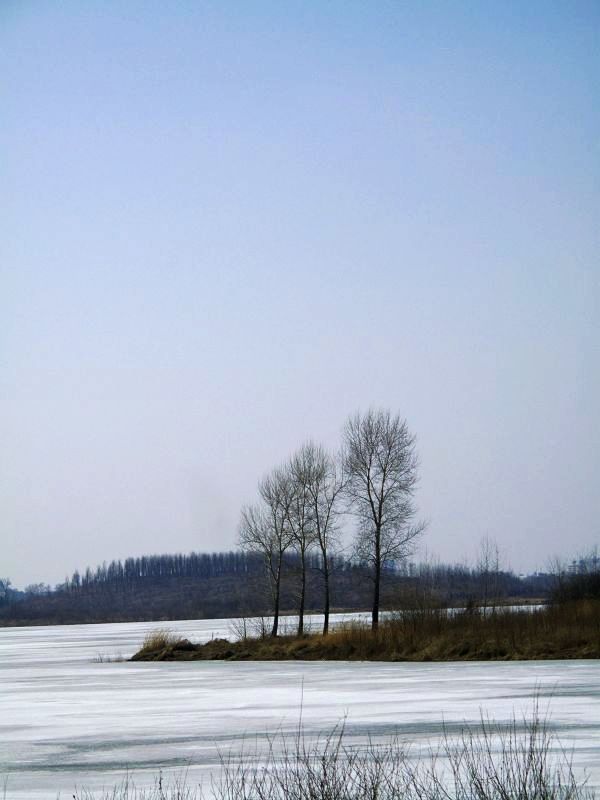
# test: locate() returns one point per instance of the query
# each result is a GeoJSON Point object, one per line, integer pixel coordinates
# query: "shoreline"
{"type": "Point", "coordinates": [49, 622]}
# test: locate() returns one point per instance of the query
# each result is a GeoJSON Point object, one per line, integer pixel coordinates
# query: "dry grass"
{"type": "Point", "coordinates": [176, 789]}
{"type": "Point", "coordinates": [158, 639]}
{"type": "Point", "coordinates": [565, 631]}
{"type": "Point", "coordinates": [486, 762]}
{"type": "Point", "coordinates": [520, 761]}
{"type": "Point", "coordinates": [103, 658]}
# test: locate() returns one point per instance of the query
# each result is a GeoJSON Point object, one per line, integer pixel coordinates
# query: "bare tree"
{"type": "Point", "coordinates": [381, 465]}
{"type": "Point", "coordinates": [488, 567]}
{"type": "Point", "coordinates": [264, 529]}
{"type": "Point", "coordinates": [299, 475]}
{"type": "Point", "coordinates": [325, 488]}
{"type": "Point", "coordinates": [256, 535]}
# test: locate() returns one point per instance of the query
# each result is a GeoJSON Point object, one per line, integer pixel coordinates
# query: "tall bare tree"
{"type": "Point", "coordinates": [488, 569]}
{"type": "Point", "coordinates": [264, 529]}
{"type": "Point", "coordinates": [256, 536]}
{"type": "Point", "coordinates": [381, 466]}
{"type": "Point", "coordinates": [325, 488]}
{"type": "Point", "coordinates": [299, 475]}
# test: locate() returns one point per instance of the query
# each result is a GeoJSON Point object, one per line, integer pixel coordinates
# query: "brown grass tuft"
{"type": "Point", "coordinates": [158, 639]}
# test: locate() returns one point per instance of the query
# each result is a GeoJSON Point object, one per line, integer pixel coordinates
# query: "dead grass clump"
{"type": "Point", "coordinates": [158, 639]}
{"type": "Point", "coordinates": [103, 658]}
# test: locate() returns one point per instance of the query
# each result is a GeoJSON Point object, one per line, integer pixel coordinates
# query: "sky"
{"type": "Point", "coordinates": [224, 227]}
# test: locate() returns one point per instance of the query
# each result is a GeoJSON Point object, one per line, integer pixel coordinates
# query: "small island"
{"type": "Point", "coordinates": [562, 630]}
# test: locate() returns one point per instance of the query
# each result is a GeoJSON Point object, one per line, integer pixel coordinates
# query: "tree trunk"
{"type": "Point", "coordinates": [326, 608]}
{"type": "Point", "coordinates": [276, 600]}
{"type": "Point", "coordinates": [302, 594]}
{"type": "Point", "coordinates": [377, 587]}
{"type": "Point", "coordinates": [275, 614]}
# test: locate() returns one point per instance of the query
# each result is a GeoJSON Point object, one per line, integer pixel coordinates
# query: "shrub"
{"type": "Point", "coordinates": [491, 761]}
{"type": "Point", "coordinates": [486, 762]}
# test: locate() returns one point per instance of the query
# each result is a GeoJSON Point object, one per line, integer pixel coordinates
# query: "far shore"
{"type": "Point", "coordinates": [110, 619]}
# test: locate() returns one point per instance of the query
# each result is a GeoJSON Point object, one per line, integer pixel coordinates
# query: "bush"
{"type": "Point", "coordinates": [487, 762]}
{"type": "Point", "coordinates": [521, 761]}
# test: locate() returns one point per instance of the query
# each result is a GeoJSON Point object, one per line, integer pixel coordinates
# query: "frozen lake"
{"type": "Point", "coordinates": [66, 720]}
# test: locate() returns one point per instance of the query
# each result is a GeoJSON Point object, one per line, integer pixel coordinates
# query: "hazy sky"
{"type": "Point", "coordinates": [226, 226]}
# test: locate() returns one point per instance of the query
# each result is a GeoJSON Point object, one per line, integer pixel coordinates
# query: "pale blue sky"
{"type": "Point", "coordinates": [226, 226]}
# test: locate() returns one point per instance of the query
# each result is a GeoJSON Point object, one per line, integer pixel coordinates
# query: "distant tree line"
{"type": "Point", "coordinates": [131, 571]}
{"type": "Point", "coordinates": [580, 580]}
{"type": "Point", "coordinates": [232, 584]}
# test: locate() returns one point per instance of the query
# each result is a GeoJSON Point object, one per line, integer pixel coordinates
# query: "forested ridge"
{"type": "Point", "coordinates": [223, 584]}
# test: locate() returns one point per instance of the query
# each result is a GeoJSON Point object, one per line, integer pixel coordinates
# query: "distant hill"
{"type": "Point", "coordinates": [201, 585]}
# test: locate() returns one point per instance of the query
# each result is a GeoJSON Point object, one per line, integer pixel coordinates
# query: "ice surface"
{"type": "Point", "coordinates": [66, 720]}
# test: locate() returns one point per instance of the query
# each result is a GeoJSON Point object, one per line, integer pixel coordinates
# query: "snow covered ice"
{"type": "Point", "coordinates": [67, 719]}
